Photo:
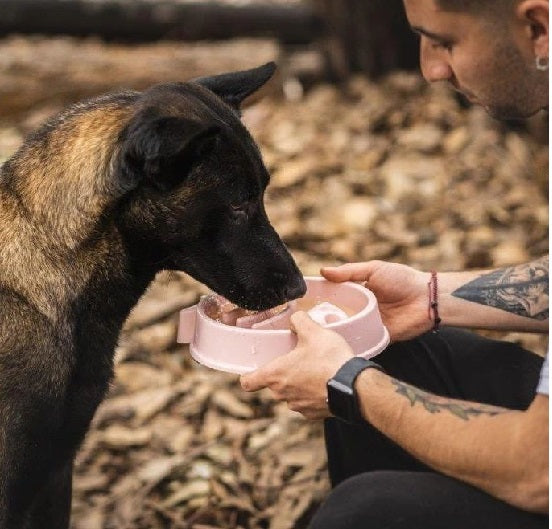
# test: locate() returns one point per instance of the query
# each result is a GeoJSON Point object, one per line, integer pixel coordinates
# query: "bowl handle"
{"type": "Point", "coordinates": [187, 325]}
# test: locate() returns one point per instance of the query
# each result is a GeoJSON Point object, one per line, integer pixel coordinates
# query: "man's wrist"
{"type": "Point", "coordinates": [343, 399]}
{"type": "Point", "coordinates": [369, 377]}
{"type": "Point", "coordinates": [368, 382]}
{"type": "Point", "coordinates": [433, 301]}
{"type": "Point", "coordinates": [445, 284]}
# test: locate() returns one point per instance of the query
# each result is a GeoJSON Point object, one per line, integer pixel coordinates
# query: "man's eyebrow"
{"type": "Point", "coordinates": [427, 33]}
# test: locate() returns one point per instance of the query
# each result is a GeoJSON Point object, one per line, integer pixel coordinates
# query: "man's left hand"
{"type": "Point", "coordinates": [300, 377]}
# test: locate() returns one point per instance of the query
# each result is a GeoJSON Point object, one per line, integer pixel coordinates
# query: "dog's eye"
{"type": "Point", "coordinates": [239, 212]}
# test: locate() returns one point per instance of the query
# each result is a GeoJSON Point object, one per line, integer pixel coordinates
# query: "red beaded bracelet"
{"type": "Point", "coordinates": [433, 307]}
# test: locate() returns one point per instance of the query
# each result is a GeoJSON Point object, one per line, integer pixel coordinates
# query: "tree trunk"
{"type": "Point", "coordinates": [369, 36]}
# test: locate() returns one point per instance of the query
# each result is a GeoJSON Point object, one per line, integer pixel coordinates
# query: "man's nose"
{"type": "Point", "coordinates": [434, 63]}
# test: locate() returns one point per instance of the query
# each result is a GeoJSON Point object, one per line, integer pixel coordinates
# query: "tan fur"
{"type": "Point", "coordinates": [40, 237]}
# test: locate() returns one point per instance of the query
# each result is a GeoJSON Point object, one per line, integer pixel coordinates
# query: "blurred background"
{"type": "Point", "coordinates": [367, 162]}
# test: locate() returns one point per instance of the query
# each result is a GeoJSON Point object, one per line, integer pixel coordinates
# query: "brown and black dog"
{"type": "Point", "coordinates": [94, 203]}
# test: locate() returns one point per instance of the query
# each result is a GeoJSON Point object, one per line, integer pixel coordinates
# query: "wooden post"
{"type": "Point", "coordinates": [369, 36]}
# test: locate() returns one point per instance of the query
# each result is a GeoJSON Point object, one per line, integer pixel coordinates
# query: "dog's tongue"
{"type": "Point", "coordinates": [223, 304]}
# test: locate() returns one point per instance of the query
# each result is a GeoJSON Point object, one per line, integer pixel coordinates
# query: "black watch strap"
{"type": "Point", "coordinates": [342, 397]}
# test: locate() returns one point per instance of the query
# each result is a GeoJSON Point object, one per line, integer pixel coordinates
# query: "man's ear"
{"type": "Point", "coordinates": [234, 87]}
{"type": "Point", "coordinates": [535, 15]}
{"type": "Point", "coordinates": [161, 150]}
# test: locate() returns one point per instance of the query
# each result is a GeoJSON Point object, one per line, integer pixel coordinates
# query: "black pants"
{"type": "Point", "coordinates": [377, 485]}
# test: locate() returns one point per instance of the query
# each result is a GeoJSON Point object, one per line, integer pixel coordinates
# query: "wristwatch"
{"type": "Point", "coordinates": [342, 396]}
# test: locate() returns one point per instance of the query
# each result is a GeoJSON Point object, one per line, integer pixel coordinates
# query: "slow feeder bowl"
{"type": "Point", "coordinates": [238, 350]}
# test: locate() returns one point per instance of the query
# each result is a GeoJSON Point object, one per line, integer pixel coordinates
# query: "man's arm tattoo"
{"type": "Point", "coordinates": [435, 404]}
{"type": "Point", "coordinates": [521, 290]}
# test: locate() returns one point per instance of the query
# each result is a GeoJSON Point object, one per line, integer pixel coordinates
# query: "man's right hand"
{"type": "Point", "coordinates": [401, 291]}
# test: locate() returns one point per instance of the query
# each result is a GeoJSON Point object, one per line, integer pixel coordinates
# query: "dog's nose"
{"type": "Point", "coordinates": [296, 290]}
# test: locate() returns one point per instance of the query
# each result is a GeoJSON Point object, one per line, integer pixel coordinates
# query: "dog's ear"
{"type": "Point", "coordinates": [161, 150]}
{"type": "Point", "coordinates": [234, 87]}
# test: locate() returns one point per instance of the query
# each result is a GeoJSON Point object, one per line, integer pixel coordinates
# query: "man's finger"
{"type": "Point", "coordinates": [304, 326]}
{"type": "Point", "coordinates": [254, 381]}
{"type": "Point", "coordinates": [348, 272]}
{"type": "Point", "coordinates": [264, 376]}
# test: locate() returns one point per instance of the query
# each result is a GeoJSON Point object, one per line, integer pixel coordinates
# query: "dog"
{"type": "Point", "coordinates": [92, 206]}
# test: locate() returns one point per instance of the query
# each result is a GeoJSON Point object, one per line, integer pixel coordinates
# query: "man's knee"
{"type": "Point", "coordinates": [416, 500]}
{"type": "Point", "coordinates": [366, 501]}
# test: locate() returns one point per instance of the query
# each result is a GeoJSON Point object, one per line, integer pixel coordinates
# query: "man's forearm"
{"type": "Point", "coordinates": [512, 298]}
{"type": "Point", "coordinates": [482, 445]}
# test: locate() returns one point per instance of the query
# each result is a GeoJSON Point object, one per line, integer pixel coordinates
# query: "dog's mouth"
{"type": "Point", "coordinates": [258, 300]}
{"type": "Point", "coordinates": [257, 289]}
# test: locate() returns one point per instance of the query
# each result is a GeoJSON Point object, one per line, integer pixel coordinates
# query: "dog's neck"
{"type": "Point", "coordinates": [102, 306]}
{"type": "Point", "coordinates": [85, 293]}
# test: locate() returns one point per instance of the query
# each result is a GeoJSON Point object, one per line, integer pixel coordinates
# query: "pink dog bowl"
{"type": "Point", "coordinates": [238, 350]}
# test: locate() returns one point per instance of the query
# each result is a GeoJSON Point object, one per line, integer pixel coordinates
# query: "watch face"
{"type": "Point", "coordinates": [341, 400]}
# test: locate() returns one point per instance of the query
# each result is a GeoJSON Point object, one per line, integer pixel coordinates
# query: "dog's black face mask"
{"type": "Point", "coordinates": [196, 182]}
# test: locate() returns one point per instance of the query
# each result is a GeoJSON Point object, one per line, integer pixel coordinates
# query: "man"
{"type": "Point", "coordinates": [448, 429]}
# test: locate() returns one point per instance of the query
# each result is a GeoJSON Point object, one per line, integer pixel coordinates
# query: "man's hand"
{"type": "Point", "coordinates": [514, 298]}
{"type": "Point", "coordinates": [401, 291]}
{"type": "Point", "coordinates": [300, 377]}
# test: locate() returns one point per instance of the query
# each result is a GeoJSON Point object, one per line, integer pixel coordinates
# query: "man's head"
{"type": "Point", "coordinates": [487, 49]}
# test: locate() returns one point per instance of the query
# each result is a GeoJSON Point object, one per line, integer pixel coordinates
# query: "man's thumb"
{"type": "Point", "coordinates": [304, 326]}
{"type": "Point", "coordinates": [347, 272]}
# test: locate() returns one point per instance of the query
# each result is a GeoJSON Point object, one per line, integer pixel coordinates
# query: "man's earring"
{"type": "Point", "coordinates": [541, 63]}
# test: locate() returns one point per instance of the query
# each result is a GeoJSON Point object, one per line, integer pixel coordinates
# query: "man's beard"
{"type": "Point", "coordinates": [509, 113]}
{"type": "Point", "coordinates": [517, 99]}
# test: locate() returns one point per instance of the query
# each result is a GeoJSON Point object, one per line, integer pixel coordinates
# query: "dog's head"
{"type": "Point", "coordinates": [194, 183]}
